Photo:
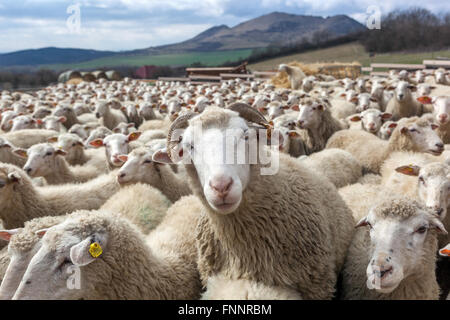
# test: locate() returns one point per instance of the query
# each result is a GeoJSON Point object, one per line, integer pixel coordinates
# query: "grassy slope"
{"type": "Point", "coordinates": [207, 58]}
{"type": "Point", "coordinates": [347, 53]}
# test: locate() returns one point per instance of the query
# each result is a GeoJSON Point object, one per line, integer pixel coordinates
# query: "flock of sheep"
{"type": "Point", "coordinates": [101, 199]}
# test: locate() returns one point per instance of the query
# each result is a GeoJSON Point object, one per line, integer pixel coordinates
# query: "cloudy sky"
{"type": "Point", "coordinates": [131, 24]}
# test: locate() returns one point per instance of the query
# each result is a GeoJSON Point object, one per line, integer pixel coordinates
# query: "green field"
{"type": "Point", "coordinates": [181, 59]}
{"type": "Point", "coordinates": [348, 53]}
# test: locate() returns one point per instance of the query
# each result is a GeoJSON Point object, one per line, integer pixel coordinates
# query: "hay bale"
{"type": "Point", "coordinates": [99, 74]}
{"type": "Point", "coordinates": [335, 69]}
{"type": "Point", "coordinates": [75, 81]}
{"type": "Point", "coordinates": [67, 75]}
{"type": "Point", "coordinates": [113, 75]}
{"type": "Point", "coordinates": [87, 76]}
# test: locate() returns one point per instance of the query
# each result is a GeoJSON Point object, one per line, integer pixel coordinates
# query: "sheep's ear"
{"type": "Point", "coordinates": [273, 141]}
{"type": "Point", "coordinates": [21, 152]}
{"type": "Point", "coordinates": [87, 250]}
{"type": "Point", "coordinates": [97, 143]}
{"type": "Point", "coordinates": [424, 100]}
{"type": "Point", "coordinates": [354, 99]}
{"type": "Point", "coordinates": [60, 152]}
{"type": "Point", "coordinates": [392, 125]}
{"type": "Point", "coordinates": [40, 233]}
{"type": "Point", "coordinates": [162, 156]}
{"type": "Point", "coordinates": [355, 118]}
{"type": "Point", "coordinates": [62, 119]}
{"type": "Point", "coordinates": [295, 107]}
{"type": "Point", "coordinates": [7, 234]}
{"type": "Point", "coordinates": [116, 130]}
{"type": "Point", "coordinates": [437, 224]}
{"type": "Point", "coordinates": [52, 139]}
{"type": "Point", "coordinates": [363, 222]}
{"type": "Point", "coordinates": [14, 177]}
{"type": "Point", "coordinates": [410, 170]}
{"type": "Point", "coordinates": [386, 116]}
{"type": "Point", "coordinates": [293, 134]}
{"type": "Point", "coordinates": [434, 126]}
{"type": "Point", "coordinates": [404, 130]}
{"type": "Point", "coordinates": [134, 136]}
{"type": "Point", "coordinates": [445, 252]}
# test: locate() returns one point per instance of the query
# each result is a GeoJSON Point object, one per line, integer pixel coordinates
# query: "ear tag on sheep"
{"type": "Point", "coordinates": [95, 250]}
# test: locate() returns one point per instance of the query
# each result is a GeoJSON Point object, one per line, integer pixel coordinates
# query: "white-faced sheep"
{"type": "Point", "coordinates": [318, 124]}
{"type": "Point", "coordinates": [109, 117]}
{"type": "Point", "coordinates": [139, 167]}
{"type": "Point", "coordinates": [29, 137]}
{"type": "Point", "coordinates": [44, 160]}
{"type": "Point", "coordinates": [441, 115]}
{"type": "Point", "coordinates": [394, 257]}
{"type": "Point", "coordinates": [116, 145]}
{"type": "Point", "coordinates": [411, 134]}
{"type": "Point", "coordinates": [23, 122]}
{"type": "Point", "coordinates": [127, 267]}
{"type": "Point", "coordinates": [295, 75]}
{"type": "Point", "coordinates": [371, 120]}
{"type": "Point", "coordinates": [292, 203]}
{"type": "Point", "coordinates": [403, 104]}
{"type": "Point", "coordinates": [386, 129]}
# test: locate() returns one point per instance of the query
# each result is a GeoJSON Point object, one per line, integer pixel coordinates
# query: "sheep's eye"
{"type": "Point", "coordinates": [65, 262]}
{"type": "Point", "coordinates": [73, 144]}
{"type": "Point", "coordinates": [147, 161]}
{"type": "Point", "coordinates": [421, 230]}
{"type": "Point", "coordinates": [413, 130]}
{"type": "Point", "coordinates": [48, 153]}
{"type": "Point", "coordinates": [421, 180]}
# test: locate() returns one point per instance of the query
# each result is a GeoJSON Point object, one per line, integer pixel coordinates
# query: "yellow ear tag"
{"type": "Point", "coordinates": [95, 249]}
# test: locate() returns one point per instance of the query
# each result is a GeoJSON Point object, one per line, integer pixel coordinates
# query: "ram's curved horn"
{"type": "Point", "coordinates": [180, 123]}
{"type": "Point", "coordinates": [248, 113]}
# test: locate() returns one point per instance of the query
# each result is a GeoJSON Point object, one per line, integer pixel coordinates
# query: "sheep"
{"type": "Point", "coordinates": [44, 160]}
{"type": "Point", "coordinates": [109, 117]}
{"type": "Point", "coordinates": [115, 145]}
{"type": "Point", "coordinates": [22, 201]}
{"type": "Point", "coordinates": [340, 109]}
{"type": "Point", "coordinates": [7, 155]}
{"type": "Point", "coordinates": [371, 120]}
{"type": "Point", "coordinates": [230, 241]}
{"type": "Point", "coordinates": [441, 115]}
{"type": "Point", "coordinates": [155, 125]}
{"type": "Point", "coordinates": [79, 130]}
{"type": "Point", "coordinates": [318, 124]}
{"type": "Point", "coordinates": [146, 112]}
{"type": "Point", "coordinates": [143, 205]}
{"type": "Point", "coordinates": [23, 122]}
{"type": "Point", "coordinates": [23, 244]}
{"type": "Point", "coordinates": [41, 113]}
{"type": "Point", "coordinates": [139, 167]}
{"type": "Point", "coordinates": [370, 178]}
{"type": "Point", "coordinates": [411, 134]}
{"type": "Point", "coordinates": [337, 165]}
{"type": "Point", "coordinates": [131, 112]}
{"type": "Point", "coordinates": [292, 143]}
{"type": "Point", "coordinates": [98, 133]}
{"type": "Point", "coordinates": [28, 137]}
{"type": "Point", "coordinates": [128, 267]}
{"type": "Point", "coordinates": [360, 197]}
{"type": "Point", "coordinates": [71, 116]}
{"type": "Point", "coordinates": [295, 75]}
{"type": "Point", "coordinates": [6, 120]}
{"type": "Point", "coordinates": [386, 130]}
{"type": "Point", "coordinates": [76, 154]}
{"type": "Point", "coordinates": [393, 258]}
{"type": "Point", "coordinates": [441, 76]}
{"type": "Point", "coordinates": [53, 123]}
{"type": "Point", "coordinates": [124, 128]}
{"type": "Point", "coordinates": [403, 105]}
{"type": "Point", "coordinates": [381, 96]}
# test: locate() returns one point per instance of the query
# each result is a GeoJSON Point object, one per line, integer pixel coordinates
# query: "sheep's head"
{"type": "Point", "coordinates": [310, 115]}
{"type": "Point", "coordinates": [10, 176]}
{"type": "Point", "coordinates": [101, 108]}
{"type": "Point", "coordinates": [53, 123]}
{"type": "Point", "coordinates": [139, 166]}
{"type": "Point", "coordinates": [41, 113]}
{"type": "Point", "coordinates": [68, 142]}
{"type": "Point", "coordinates": [403, 238]}
{"type": "Point", "coordinates": [64, 111]}
{"type": "Point", "coordinates": [23, 122]}
{"type": "Point", "coordinates": [403, 90]}
{"type": "Point", "coordinates": [217, 143]}
{"type": "Point", "coordinates": [441, 109]}
{"type": "Point", "coordinates": [124, 128]}
{"type": "Point", "coordinates": [41, 159]}
{"type": "Point", "coordinates": [386, 129]}
{"type": "Point", "coordinates": [415, 134]}
{"type": "Point", "coordinates": [115, 145]}
{"type": "Point", "coordinates": [275, 109]}
{"type": "Point", "coordinates": [371, 119]}
{"type": "Point", "coordinates": [69, 259]}
{"type": "Point", "coordinates": [433, 185]}
{"type": "Point", "coordinates": [23, 245]}
{"type": "Point", "coordinates": [6, 119]}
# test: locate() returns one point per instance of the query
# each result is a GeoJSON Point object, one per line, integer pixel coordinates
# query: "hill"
{"type": "Point", "coordinates": [274, 28]}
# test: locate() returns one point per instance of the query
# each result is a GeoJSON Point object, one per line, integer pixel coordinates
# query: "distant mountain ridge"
{"type": "Point", "coordinates": [274, 28]}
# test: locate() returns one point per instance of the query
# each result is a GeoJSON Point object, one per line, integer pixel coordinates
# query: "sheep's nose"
{"type": "Point", "coordinates": [221, 184]}
{"type": "Point", "coordinates": [440, 145]}
{"type": "Point", "coordinates": [28, 170]}
{"type": "Point", "coordinates": [371, 125]}
{"type": "Point", "coordinates": [443, 116]}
